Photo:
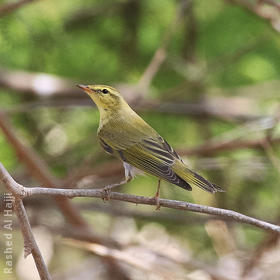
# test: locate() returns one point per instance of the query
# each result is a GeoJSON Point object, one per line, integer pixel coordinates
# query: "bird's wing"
{"type": "Point", "coordinates": [153, 155]}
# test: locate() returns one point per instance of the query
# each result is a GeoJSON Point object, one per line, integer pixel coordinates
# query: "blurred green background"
{"type": "Point", "coordinates": [218, 82]}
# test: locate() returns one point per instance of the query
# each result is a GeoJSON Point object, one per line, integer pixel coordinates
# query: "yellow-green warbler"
{"type": "Point", "coordinates": [127, 136]}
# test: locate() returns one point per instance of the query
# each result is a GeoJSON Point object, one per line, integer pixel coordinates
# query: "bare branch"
{"type": "Point", "coordinates": [175, 204]}
{"type": "Point", "coordinates": [30, 245]}
{"type": "Point", "coordinates": [21, 191]}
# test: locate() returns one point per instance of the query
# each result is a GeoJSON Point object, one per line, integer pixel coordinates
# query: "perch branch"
{"type": "Point", "coordinates": [21, 192]}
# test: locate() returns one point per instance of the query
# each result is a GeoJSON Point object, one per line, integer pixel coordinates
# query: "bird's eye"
{"type": "Point", "coordinates": [105, 90]}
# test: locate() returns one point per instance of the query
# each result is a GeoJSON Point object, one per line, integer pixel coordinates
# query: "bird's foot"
{"type": "Point", "coordinates": [156, 198]}
{"type": "Point", "coordinates": [106, 193]}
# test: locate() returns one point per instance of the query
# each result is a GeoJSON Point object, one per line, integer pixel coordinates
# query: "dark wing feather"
{"type": "Point", "coordinates": [152, 156]}
{"type": "Point", "coordinates": [105, 146]}
{"type": "Point", "coordinates": [161, 145]}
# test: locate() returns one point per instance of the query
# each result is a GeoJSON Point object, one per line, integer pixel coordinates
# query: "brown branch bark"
{"type": "Point", "coordinates": [30, 245]}
{"type": "Point", "coordinates": [175, 204]}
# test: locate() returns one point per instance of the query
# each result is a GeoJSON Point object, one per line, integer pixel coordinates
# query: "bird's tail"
{"type": "Point", "coordinates": [201, 182]}
{"type": "Point", "coordinates": [195, 179]}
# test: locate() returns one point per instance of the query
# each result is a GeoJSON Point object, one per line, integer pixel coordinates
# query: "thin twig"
{"type": "Point", "coordinates": [22, 192]}
{"type": "Point", "coordinates": [175, 204]}
{"type": "Point", "coordinates": [30, 245]}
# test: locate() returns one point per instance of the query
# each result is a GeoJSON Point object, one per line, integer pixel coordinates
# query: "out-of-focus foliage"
{"type": "Point", "coordinates": [218, 50]}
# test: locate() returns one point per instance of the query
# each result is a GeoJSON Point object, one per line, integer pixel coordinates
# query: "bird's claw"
{"type": "Point", "coordinates": [106, 193]}
{"type": "Point", "coordinates": [156, 197]}
{"type": "Point", "coordinates": [157, 202]}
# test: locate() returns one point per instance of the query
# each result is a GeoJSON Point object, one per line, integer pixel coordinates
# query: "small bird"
{"type": "Point", "coordinates": [125, 135]}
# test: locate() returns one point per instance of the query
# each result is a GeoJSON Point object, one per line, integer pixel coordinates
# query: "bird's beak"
{"type": "Point", "coordinates": [83, 87]}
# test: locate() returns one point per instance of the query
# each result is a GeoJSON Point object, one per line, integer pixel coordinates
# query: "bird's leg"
{"type": "Point", "coordinates": [107, 190]}
{"type": "Point", "coordinates": [128, 177]}
{"type": "Point", "coordinates": [157, 196]}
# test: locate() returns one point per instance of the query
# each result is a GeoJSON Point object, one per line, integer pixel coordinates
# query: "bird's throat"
{"type": "Point", "coordinates": [121, 114]}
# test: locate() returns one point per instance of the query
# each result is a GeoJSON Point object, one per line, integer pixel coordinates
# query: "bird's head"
{"type": "Point", "coordinates": [106, 98]}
